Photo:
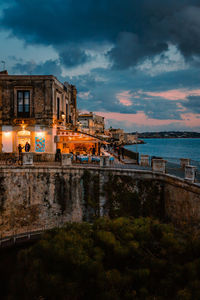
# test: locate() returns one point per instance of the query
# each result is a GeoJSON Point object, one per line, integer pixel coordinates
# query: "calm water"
{"type": "Point", "coordinates": [169, 148]}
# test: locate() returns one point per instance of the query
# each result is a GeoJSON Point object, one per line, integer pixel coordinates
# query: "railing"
{"type": "Point", "coordinates": [173, 166]}
{"type": "Point", "coordinates": [23, 237]}
{"type": "Point", "coordinates": [20, 238]}
{"type": "Point", "coordinates": [176, 161]}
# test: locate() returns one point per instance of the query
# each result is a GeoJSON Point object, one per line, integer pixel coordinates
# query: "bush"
{"type": "Point", "coordinates": [124, 258]}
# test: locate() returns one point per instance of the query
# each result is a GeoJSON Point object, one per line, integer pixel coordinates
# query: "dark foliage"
{"type": "Point", "coordinates": [128, 197]}
{"type": "Point", "coordinates": [91, 196]}
{"type": "Point", "coordinates": [124, 258]}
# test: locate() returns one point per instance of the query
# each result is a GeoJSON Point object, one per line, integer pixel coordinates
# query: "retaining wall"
{"type": "Point", "coordinates": [32, 198]}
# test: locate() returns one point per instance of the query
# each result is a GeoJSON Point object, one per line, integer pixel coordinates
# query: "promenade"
{"type": "Point", "coordinates": [171, 168]}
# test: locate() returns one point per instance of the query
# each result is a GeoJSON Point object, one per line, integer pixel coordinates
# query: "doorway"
{"type": "Point", "coordinates": [23, 137]}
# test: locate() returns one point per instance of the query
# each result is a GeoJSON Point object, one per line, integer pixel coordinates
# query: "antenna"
{"type": "Point", "coordinates": [3, 64]}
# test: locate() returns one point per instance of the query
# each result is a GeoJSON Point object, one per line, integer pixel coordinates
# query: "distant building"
{"type": "Point", "coordinates": [130, 138]}
{"type": "Point", "coordinates": [91, 123]}
{"type": "Point", "coordinates": [33, 109]}
{"type": "Point", "coordinates": [117, 134]}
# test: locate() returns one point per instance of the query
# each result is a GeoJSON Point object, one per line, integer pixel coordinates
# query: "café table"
{"type": "Point", "coordinates": [83, 158]}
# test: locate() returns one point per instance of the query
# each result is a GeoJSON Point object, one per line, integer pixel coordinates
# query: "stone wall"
{"type": "Point", "coordinates": [33, 198]}
{"type": "Point", "coordinates": [44, 91]}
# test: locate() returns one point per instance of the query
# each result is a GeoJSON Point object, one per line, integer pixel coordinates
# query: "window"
{"type": "Point", "coordinates": [58, 108]}
{"type": "Point", "coordinates": [23, 104]}
{"type": "Point", "coordinates": [67, 112]}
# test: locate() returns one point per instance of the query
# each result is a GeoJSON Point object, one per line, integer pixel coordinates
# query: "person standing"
{"type": "Point", "coordinates": [119, 152]}
{"type": "Point", "coordinates": [93, 150]}
{"type": "Point", "coordinates": [27, 147]}
{"type": "Point", "coordinates": [122, 150]}
{"type": "Point", "coordinates": [20, 151]}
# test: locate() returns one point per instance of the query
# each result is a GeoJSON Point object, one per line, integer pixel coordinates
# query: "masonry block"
{"type": "Point", "coordinates": [144, 160]}
{"type": "Point", "coordinates": [184, 162]}
{"type": "Point", "coordinates": [190, 173]}
{"type": "Point", "coordinates": [159, 165]}
{"type": "Point", "coordinates": [27, 158]}
{"type": "Point", "coordinates": [66, 159]}
{"type": "Point", "coordinates": [104, 161]}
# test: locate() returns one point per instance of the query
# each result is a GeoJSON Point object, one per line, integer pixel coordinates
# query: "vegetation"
{"type": "Point", "coordinates": [91, 196]}
{"type": "Point", "coordinates": [124, 258]}
{"type": "Point", "coordinates": [128, 197]}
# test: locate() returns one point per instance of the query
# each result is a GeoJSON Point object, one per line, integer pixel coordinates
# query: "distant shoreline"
{"type": "Point", "coordinates": [173, 137]}
{"type": "Point", "coordinates": [140, 142]}
{"type": "Point", "coordinates": [169, 135]}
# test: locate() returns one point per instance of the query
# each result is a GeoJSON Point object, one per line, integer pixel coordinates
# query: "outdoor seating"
{"type": "Point", "coordinates": [95, 159]}
{"type": "Point", "coordinates": [111, 160]}
{"type": "Point", "coordinates": [83, 158]}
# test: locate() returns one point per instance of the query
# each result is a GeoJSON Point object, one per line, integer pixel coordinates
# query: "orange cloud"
{"type": "Point", "coordinates": [140, 118]}
{"type": "Point", "coordinates": [179, 94]}
{"type": "Point", "coordinates": [124, 98]}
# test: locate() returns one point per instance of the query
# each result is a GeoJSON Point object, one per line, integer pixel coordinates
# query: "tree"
{"type": "Point", "coordinates": [124, 258]}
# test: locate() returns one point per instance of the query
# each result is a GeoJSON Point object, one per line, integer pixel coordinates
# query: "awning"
{"type": "Point", "coordinates": [76, 137]}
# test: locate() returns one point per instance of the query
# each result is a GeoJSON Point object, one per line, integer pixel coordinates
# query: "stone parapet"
{"type": "Point", "coordinates": [159, 165]}
{"type": "Point", "coordinates": [66, 159]}
{"type": "Point", "coordinates": [104, 161]}
{"type": "Point", "coordinates": [190, 173]}
{"type": "Point", "coordinates": [144, 160]}
{"type": "Point", "coordinates": [44, 157]}
{"type": "Point", "coordinates": [27, 158]}
{"type": "Point", "coordinates": [184, 162]}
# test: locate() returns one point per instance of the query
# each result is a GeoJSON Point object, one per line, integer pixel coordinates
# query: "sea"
{"type": "Point", "coordinates": [170, 149]}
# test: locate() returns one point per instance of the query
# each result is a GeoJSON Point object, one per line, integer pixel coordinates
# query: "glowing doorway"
{"type": "Point", "coordinates": [23, 136]}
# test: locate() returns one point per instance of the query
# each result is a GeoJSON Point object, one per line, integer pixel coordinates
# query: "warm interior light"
{"type": "Point", "coordinates": [24, 133]}
{"type": "Point", "coordinates": [40, 134]}
{"type": "Point", "coordinates": [7, 133]}
{"type": "Point", "coordinates": [63, 115]}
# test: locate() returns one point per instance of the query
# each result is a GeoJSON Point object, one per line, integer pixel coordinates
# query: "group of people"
{"type": "Point", "coordinates": [27, 148]}
{"type": "Point", "coordinates": [120, 152]}
{"type": "Point", "coordinates": [118, 149]}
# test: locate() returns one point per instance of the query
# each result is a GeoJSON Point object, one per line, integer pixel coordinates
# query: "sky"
{"type": "Point", "coordinates": [135, 62]}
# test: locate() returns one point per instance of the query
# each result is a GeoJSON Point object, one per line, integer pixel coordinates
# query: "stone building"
{"type": "Point", "coordinates": [91, 123]}
{"type": "Point", "coordinates": [117, 135]}
{"type": "Point", "coordinates": [130, 138]}
{"type": "Point", "coordinates": [32, 109]}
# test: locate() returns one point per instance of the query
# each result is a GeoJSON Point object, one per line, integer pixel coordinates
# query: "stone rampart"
{"type": "Point", "coordinates": [34, 198]}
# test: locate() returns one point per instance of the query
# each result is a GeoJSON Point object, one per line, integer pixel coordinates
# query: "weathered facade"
{"type": "Point", "coordinates": [91, 123]}
{"type": "Point", "coordinates": [32, 109]}
{"type": "Point", "coordinates": [46, 197]}
{"type": "Point", "coordinates": [117, 134]}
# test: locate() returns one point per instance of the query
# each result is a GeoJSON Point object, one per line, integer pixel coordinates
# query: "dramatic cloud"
{"type": "Point", "coordinates": [180, 94]}
{"type": "Point", "coordinates": [71, 56]}
{"type": "Point", "coordinates": [141, 122]}
{"type": "Point", "coordinates": [51, 67]}
{"type": "Point", "coordinates": [136, 62]}
{"type": "Point", "coordinates": [124, 98]}
{"type": "Point", "coordinates": [193, 104]}
{"type": "Point", "coordinates": [137, 30]}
